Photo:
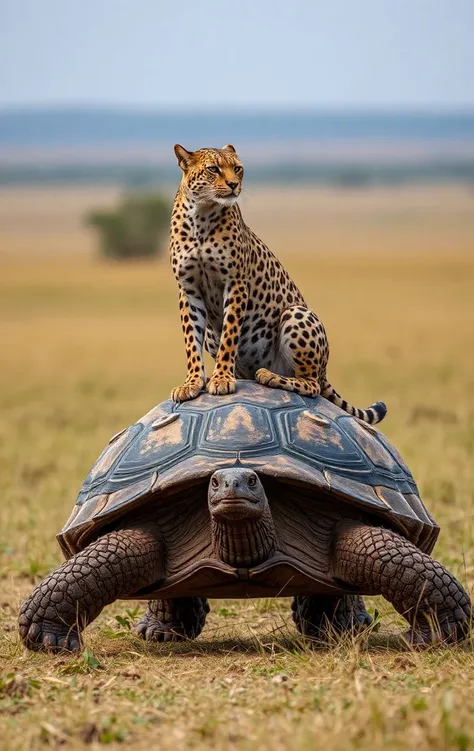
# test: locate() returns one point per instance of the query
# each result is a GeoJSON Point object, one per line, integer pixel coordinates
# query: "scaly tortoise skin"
{"type": "Point", "coordinates": [257, 494]}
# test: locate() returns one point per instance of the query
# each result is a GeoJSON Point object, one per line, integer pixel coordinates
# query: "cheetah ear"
{"type": "Point", "coordinates": [229, 147]}
{"type": "Point", "coordinates": [184, 157]}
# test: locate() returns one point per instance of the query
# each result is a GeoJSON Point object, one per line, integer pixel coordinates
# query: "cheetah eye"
{"type": "Point", "coordinates": [212, 168]}
{"type": "Point", "coordinates": [238, 169]}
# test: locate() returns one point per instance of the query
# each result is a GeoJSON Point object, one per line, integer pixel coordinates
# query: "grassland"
{"type": "Point", "coordinates": [86, 348]}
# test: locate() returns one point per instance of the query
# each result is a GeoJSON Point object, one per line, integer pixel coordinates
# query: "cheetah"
{"type": "Point", "coordinates": [235, 297]}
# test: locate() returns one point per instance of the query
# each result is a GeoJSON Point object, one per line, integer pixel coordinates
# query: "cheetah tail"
{"type": "Point", "coordinates": [375, 413]}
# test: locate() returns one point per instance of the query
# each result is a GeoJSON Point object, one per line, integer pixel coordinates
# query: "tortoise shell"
{"type": "Point", "coordinates": [305, 444]}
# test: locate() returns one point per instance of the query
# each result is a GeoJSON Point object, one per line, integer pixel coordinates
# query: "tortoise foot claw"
{"type": "Point", "coordinates": [154, 630]}
{"type": "Point", "coordinates": [48, 636]}
{"type": "Point", "coordinates": [173, 620]}
{"type": "Point", "coordinates": [351, 616]}
{"type": "Point", "coordinates": [322, 618]}
{"type": "Point", "coordinates": [438, 634]}
{"type": "Point", "coordinates": [47, 621]}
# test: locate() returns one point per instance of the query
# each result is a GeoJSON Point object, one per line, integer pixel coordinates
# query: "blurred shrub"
{"type": "Point", "coordinates": [134, 230]}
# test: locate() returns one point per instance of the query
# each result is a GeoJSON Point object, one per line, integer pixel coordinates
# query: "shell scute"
{"type": "Point", "coordinates": [370, 445]}
{"type": "Point", "coordinates": [163, 443]}
{"type": "Point", "coordinates": [237, 426]}
{"type": "Point", "coordinates": [109, 457]}
{"type": "Point", "coordinates": [321, 443]}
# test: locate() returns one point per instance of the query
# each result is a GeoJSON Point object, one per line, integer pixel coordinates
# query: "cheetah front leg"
{"type": "Point", "coordinates": [193, 322]}
{"type": "Point", "coordinates": [235, 303]}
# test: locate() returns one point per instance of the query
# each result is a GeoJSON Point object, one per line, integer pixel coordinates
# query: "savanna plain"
{"type": "Point", "coordinates": [88, 347]}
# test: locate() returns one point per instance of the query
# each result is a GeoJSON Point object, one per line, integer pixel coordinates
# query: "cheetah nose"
{"type": "Point", "coordinates": [232, 186]}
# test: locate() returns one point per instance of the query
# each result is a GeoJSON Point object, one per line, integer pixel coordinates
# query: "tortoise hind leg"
{"type": "Point", "coordinates": [176, 619]}
{"type": "Point", "coordinates": [116, 565]}
{"type": "Point", "coordinates": [320, 616]}
{"type": "Point", "coordinates": [379, 561]}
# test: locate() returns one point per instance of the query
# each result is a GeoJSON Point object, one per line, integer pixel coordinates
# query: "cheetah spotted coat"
{"type": "Point", "coordinates": [235, 297]}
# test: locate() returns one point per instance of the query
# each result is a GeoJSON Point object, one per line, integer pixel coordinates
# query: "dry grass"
{"type": "Point", "coordinates": [87, 348]}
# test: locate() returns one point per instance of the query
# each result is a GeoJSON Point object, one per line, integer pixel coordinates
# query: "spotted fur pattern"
{"type": "Point", "coordinates": [235, 297]}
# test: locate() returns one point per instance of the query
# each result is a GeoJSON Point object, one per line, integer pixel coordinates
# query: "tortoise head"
{"type": "Point", "coordinates": [242, 524]}
{"type": "Point", "coordinates": [236, 494]}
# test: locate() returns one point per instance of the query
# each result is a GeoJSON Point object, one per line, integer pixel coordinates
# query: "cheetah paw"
{"type": "Point", "coordinates": [265, 377]}
{"type": "Point", "coordinates": [221, 385]}
{"type": "Point", "coordinates": [187, 391]}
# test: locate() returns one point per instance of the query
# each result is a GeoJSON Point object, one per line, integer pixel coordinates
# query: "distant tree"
{"type": "Point", "coordinates": [134, 230]}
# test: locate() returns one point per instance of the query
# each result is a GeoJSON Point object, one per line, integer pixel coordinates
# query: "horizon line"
{"type": "Point", "coordinates": [271, 109]}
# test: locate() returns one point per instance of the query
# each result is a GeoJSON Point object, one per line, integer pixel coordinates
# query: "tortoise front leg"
{"type": "Point", "coordinates": [379, 561]}
{"type": "Point", "coordinates": [319, 616]}
{"type": "Point", "coordinates": [116, 565]}
{"type": "Point", "coordinates": [173, 620]}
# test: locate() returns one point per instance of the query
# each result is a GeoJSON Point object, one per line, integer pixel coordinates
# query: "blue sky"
{"type": "Point", "coordinates": [208, 53]}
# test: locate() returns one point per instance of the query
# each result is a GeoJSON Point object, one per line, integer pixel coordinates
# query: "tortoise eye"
{"type": "Point", "coordinates": [212, 168]}
{"type": "Point", "coordinates": [252, 481]}
{"type": "Point", "coordinates": [238, 169]}
{"type": "Point", "coordinates": [214, 482]}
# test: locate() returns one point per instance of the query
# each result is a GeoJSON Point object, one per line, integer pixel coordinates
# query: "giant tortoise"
{"type": "Point", "coordinates": [256, 494]}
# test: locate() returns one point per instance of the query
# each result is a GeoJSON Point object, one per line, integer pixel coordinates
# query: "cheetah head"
{"type": "Point", "coordinates": [211, 175]}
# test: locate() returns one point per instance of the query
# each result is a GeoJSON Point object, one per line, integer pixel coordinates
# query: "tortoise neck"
{"type": "Point", "coordinates": [244, 543]}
